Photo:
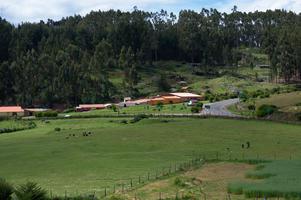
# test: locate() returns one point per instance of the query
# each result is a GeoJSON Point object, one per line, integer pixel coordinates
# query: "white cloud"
{"type": "Point", "coordinates": [35, 10]}
{"type": "Point", "coordinates": [260, 5]}
{"type": "Point", "coordinates": [17, 11]}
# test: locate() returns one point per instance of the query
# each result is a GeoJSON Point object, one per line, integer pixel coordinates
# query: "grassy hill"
{"type": "Point", "coordinates": [288, 105]}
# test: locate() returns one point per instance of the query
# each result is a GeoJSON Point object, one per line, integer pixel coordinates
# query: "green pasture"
{"type": "Point", "coordinates": [114, 152]}
{"type": "Point", "coordinates": [9, 124]}
{"type": "Point", "coordinates": [139, 109]}
{"type": "Point", "coordinates": [280, 178]}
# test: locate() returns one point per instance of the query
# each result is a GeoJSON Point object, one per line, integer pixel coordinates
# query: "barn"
{"type": "Point", "coordinates": [11, 111]}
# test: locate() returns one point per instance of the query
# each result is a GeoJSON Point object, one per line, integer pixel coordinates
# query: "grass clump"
{"type": "Point", "coordinates": [30, 191]}
{"type": "Point", "coordinates": [138, 118]}
{"type": "Point", "coordinates": [265, 110]}
{"type": "Point", "coordinates": [6, 190]}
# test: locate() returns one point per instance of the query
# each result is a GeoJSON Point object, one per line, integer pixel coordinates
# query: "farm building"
{"type": "Point", "coordinates": [11, 111]}
{"type": "Point", "coordinates": [128, 102]}
{"type": "Point", "coordinates": [32, 111]}
{"type": "Point", "coordinates": [165, 100]}
{"type": "Point", "coordinates": [88, 107]}
{"type": "Point", "coordinates": [186, 96]}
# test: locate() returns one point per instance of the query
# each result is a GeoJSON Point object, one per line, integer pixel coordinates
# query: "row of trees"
{"type": "Point", "coordinates": [69, 61]}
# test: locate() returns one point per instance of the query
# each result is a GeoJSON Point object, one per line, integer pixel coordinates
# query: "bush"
{"type": "Point", "coordinates": [251, 107]}
{"type": "Point", "coordinates": [50, 113]}
{"type": "Point", "coordinates": [298, 104]}
{"type": "Point", "coordinates": [30, 191]}
{"type": "Point", "coordinates": [265, 110]}
{"type": "Point", "coordinates": [138, 118]}
{"type": "Point", "coordinates": [6, 190]}
{"type": "Point", "coordinates": [298, 115]}
{"type": "Point", "coordinates": [195, 109]}
{"type": "Point", "coordinates": [57, 129]}
{"type": "Point", "coordinates": [29, 125]}
{"type": "Point", "coordinates": [179, 182]}
{"type": "Point", "coordinates": [69, 110]}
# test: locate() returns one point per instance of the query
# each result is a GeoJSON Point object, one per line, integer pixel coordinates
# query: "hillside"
{"type": "Point", "coordinates": [107, 55]}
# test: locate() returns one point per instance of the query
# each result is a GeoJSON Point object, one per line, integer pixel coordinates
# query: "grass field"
{"type": "Point", "coordinates": [279, 179]}
{"type": "Point", "coordinates": [139, 109]}
{"type": "Point", "coordinates": [117, 151]}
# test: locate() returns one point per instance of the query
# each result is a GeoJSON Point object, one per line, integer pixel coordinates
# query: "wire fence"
{"type": "Point", "coordinates": [124, 186]}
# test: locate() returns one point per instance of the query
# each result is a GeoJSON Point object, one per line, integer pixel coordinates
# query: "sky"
{"type": "Point", "coordinates": [17, 11]}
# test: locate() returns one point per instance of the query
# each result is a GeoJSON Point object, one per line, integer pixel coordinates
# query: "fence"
{"type": "Point", "coordinates": [198, 160]}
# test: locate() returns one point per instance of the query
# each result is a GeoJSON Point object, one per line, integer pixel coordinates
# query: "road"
{"type": "Point", "coordinates": [220, 108]}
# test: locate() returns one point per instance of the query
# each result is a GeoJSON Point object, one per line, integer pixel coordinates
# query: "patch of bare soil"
{"type": "Point", "coordinates": [215, 177]}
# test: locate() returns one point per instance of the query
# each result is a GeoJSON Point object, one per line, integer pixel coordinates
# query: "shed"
{"type": "Point", "coordinates": [32, 111]}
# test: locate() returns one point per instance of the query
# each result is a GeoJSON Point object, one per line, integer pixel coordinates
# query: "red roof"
{"type": "Point", "coordinates": [13, 109]}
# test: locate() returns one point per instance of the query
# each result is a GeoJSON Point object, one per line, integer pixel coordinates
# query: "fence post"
{"type": "Point", "coordinates": [131, 183]}
{"type": "Point", "coordinates": [105, 191]}
{"type": "Point", "coordinates": [139, 180]}
{"type": "Point", "coordinates": [148, 176]}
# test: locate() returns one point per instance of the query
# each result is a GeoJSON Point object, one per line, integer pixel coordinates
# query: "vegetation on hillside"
{"type": "Point", "coordinates": [77, 59]}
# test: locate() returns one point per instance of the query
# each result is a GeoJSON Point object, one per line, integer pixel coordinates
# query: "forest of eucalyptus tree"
{"type": "Point", "coordinates": [68, 61]}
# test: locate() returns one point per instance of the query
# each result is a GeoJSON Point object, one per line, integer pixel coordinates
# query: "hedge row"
{"type": "Point", "coordinates": [30, 125]}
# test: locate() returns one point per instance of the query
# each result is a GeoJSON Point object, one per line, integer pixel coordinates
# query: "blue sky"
{"type": "Point", "coordinates": [17, 11]}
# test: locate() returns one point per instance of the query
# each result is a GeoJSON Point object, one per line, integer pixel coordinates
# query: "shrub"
{"type": "Point", "coordinates": [298, 115]}
{"type": "Point", "coordinates": [179, 182]}
{"type": "Point", "coordinates": [57, 129]}
{"type": "Point", "coordinates": [124, 121]}
{"type": "Point", "coordinates": [265, 110]}
{"type": "Point", "coordinates": [114, 108]}
{"type": "Point", "coordinates": [298, 104]}
{"type": "Point", "coordinates": [50, 113]}
{"type": "Point", "coordinates": [6, 190]}
{"type": "Point", "coordinates": [195, 109]}
{"type": "Point", "coordinates": [30, 191]}
{"type": "Point", "coordinates": [29, 125]}
{"type": "Point", "coordinates": [69, 110]}
{"type": "Point", "coordinates": [159, 106]}
{"type": "Point", "coordinates": [138, 118]}
{"type": "Point", "coordinates": [251, 107]}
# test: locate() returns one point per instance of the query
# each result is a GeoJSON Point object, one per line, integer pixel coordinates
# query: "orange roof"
{"type": "Point", "coordinates": [14, 109]}
{"type": "Point", "coordinates": [157, 99]}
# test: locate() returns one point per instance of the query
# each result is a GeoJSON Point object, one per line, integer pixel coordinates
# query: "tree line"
{"type": "Point", "coordinates": [69, 61]}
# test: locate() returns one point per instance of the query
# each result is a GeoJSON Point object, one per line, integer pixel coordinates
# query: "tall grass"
{"type": "Point", "coordinates": [281, 179]}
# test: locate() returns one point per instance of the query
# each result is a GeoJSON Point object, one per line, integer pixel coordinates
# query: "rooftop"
{"type": "Point", "coordinates": [185, 94]}
{"type": "Point", "coordinates": [14, 109]}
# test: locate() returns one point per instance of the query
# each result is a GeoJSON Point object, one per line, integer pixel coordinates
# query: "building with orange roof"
{"type": "Point", "coordinates": [11, 111]}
